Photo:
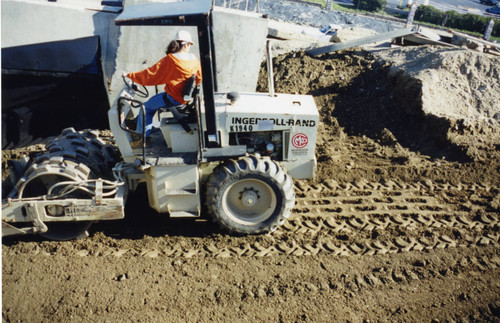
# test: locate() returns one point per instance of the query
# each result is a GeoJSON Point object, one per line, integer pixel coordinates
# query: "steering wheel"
{"type": "Point", "coordinates": [142, 91]}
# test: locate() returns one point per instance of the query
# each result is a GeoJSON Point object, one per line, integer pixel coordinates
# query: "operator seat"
{"type": "Point", "coordinates": [184, 113]}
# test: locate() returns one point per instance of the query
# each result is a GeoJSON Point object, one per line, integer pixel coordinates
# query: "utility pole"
{"type": "Point", "coordinates": [411, 14]}
{"type": "Point", "coordinates": [329, 5]}
{"type": "Point", "coordinates": [489, 29]}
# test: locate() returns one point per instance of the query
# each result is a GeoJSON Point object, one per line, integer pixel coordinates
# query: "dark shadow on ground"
{"type": "Point", "coordinates": [377, 106]}
{"type": "Point", "coordinates": [355, 92]}
{"type": "Point", "coordinates": [140, 221]}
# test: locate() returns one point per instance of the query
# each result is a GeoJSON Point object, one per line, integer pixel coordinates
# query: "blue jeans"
{"type": "Point", "coordinates": [151, 106]}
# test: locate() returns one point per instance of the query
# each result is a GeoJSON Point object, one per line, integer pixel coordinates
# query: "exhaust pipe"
{"type": "Point", "coordinates": [270, 68]}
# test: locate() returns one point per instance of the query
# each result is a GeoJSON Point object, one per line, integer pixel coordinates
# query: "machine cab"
{"type": "Point", "coordinates": [203, 135]}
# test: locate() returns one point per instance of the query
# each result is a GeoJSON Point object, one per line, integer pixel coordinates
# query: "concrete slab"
{"type": "Point", "coordinates": [240, 43]}
{"type": "Point", "coordinates": [352, 33]}
{"type": "Point", "coordinates": [289, 31]}
{"type": "Point", "coordinates": [32, 22]}
{"type": "Point", "coordinates": [362, 41]}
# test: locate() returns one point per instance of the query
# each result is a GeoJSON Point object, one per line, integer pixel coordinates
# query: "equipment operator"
{"type": "Point", "coordinates": [173, 70]}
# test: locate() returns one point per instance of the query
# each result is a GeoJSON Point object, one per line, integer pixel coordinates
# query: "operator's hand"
{"type": "Point", "coordinates": [124, 74]}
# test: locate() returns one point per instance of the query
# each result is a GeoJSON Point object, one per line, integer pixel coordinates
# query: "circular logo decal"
{"type": "Point", "coordinates": [299, 140]}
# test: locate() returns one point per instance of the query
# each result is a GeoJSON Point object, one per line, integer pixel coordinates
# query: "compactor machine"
{"type": "Point", "coordinates": [227, 156]}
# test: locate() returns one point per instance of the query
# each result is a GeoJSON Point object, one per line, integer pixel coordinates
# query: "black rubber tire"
{"type": "Point", "coordinates": [250, 195]}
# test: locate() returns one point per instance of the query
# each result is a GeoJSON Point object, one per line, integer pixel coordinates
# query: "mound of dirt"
{"type": "Point", "coordinates": [395, 108]}
{"type": "Point", "coordinates": [455, 83]}
{"type": "Point", "coordinates": [457, 86]}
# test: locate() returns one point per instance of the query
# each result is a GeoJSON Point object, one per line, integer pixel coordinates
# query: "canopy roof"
{"type": "Point", "coordinates": [191, 13]}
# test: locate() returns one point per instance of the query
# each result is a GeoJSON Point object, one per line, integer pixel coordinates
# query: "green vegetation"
{"type": "Point", "coordinates": [370, 5]}
{"type": "Point", "coordinates": [468, 22]}
{"type": "Point", "coordinates": [345, 8]}
{"type": "Point", "coordinates": [321, 2]}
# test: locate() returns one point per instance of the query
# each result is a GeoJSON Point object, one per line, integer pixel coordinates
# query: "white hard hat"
{"type": "Point", "coordinates": [184, 36]}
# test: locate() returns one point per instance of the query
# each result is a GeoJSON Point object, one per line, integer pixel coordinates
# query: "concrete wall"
{"type": "Point", "coordinates": [240, 44]}
{"type": "Point", "coordinates": [33, 22]}
{"type": "Point", "coordinates": [140, 47]}
{"type": "Point", "coordinates": [239, 47]}
{"type": "Point", "coordinates": [239, 38]}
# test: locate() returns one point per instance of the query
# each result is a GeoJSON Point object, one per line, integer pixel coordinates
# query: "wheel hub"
{"type": "Point", "coordinates": [249, 197]}
{"type": "Point", "coordinates": [249, 201]}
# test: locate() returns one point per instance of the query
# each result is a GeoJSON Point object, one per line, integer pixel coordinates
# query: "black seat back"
{"type": "Point", "coordinates": [189, 90]}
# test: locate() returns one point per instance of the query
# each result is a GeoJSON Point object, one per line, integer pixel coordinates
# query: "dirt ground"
{"type": "Point", "coordinates": [401, 223]}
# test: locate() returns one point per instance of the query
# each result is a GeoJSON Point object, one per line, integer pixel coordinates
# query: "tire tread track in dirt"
{"type": "Point", "coordinates": [293, 248]}
{"type": "Point", "coordinates": [418, 222]}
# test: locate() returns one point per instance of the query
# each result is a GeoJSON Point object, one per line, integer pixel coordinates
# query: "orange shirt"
{"type": "Point", "coordinates": [171, 71]}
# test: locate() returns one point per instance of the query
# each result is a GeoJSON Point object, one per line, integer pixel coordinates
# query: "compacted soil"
{"type": "Point", "coordinates": [400, 224]}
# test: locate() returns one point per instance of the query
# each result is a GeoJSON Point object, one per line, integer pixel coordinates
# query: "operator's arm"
{"type": "Point", "coordinates": [154, 75]}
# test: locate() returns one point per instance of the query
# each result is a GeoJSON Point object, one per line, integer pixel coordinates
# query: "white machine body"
{"type": "Point", "coordinates": [286, 125]}
{"type": "Point", "coordinates": [283, 127]}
